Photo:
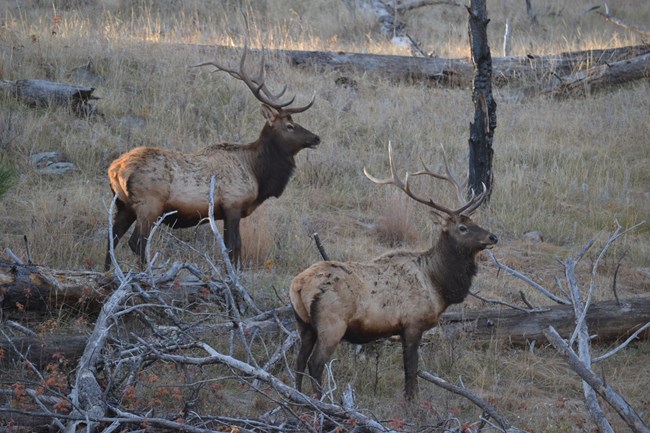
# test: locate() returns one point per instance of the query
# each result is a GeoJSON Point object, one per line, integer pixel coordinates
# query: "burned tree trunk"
{"type": "Point", "coordinates": [485, 107]}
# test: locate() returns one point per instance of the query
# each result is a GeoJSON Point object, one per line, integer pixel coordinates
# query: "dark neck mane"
{"type": "Point", "coordinates": [451, 270]}
{"type": "Point", "coordinates": [273, 168]}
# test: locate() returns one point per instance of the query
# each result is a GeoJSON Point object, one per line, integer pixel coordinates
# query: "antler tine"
{"type": "Point", "coordinates": [294, 110]}
{"type": "Point", "coordinates": [475, 201]}
{"type": "Point", "coordinates": [404, 186]}
{"type": "Point", "coordinates": [257, 85]}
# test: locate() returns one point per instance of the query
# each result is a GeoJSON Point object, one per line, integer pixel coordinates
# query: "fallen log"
{"type": "Point", "coordinates": [45, 93]}
{"type": "Point", "coordinates": [598, 78]}
{"type": "Point", "coordinates": [447, 72]}
{"type": "Point", "coordinates": [607, 320]}
{"type": "Point", "coordinates": [39, 289]}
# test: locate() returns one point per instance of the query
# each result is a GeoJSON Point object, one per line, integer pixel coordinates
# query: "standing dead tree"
{"type": "Point", "coordinates": [485, 107]}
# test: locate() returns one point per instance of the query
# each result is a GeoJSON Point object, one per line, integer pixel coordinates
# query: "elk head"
{"type": "Point", "coordinates": [463, 233]}
{"type": "Point", "coordinates": [280, 127]}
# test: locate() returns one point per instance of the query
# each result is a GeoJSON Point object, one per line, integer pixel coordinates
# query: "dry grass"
{"type": "Point", "coordinates": [568, 169]}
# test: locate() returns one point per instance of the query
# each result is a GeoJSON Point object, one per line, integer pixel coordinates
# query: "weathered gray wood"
{"type": "Point", "coordinates": [39, 289]}
{"type": "Point", "coordinates": [598, 78]}
{"type": "Point", "coordinates": [447, 72]}
{"type": "Point", "coordinates": [45, 93]}
{"type": "Point", "coordinates": [44, 350]}
{"type": "Point", "coordinates": [606, 320]}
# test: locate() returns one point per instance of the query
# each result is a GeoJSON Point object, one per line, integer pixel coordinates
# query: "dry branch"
{"type": "Point", "coordinates": [503, 422]}
{"type": "Point", "coordinates": [621, 23]}
{"type": "Point", "coordinates": [391, 27]}
{"type": "Point", "coordinates": [597, 383]}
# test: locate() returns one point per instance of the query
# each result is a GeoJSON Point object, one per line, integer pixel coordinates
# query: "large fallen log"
{"type": "Point", "coordinates": [599, 77]}
{"type": "Point", "coordinates": [45, 93]}
{"type": "Point", "coordinates": [39, 289]}
{"type": "Point", "coordinates": [449, 72]}
{"type": "Point", "coordinates": [607, 321]}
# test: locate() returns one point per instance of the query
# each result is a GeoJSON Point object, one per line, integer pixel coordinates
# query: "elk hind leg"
{"type": "Point", "coordinates": [326, 343]}
{"type": "Point", "coordinates": [147, 215]}
{"type": "Point", "coordinates": [123, 219]}
{"type": "Point", "coordinates": [307, 341]}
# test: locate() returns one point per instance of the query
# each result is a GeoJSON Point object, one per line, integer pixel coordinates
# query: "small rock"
{"type": "Point", "coordinates": [52, 163]}
{"type": "Point", "coordinates": [533, 236]}
{"type": "Point", "coordinates": [43, 159]}
{"type": "Point", "coordinates": [57, 168]}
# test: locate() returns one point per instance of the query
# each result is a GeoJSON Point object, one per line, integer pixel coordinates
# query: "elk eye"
{"type": "Point", "coordinates": [290, 126]}
{"type": "Point", "coordinates": [462, 228]}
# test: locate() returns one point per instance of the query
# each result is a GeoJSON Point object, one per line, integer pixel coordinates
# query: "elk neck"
{"type": "Point", "coordinates": [272, 166]}
{"type": "Point", "coordinates": [450, 269]}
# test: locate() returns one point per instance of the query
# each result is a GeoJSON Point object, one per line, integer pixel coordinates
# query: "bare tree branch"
{"type": "Point", "coordinates": [621, 23]}
{"type": "Point", "coordinates": [503, 422]}
{"type": "Point", "coordinates": [598, 384]}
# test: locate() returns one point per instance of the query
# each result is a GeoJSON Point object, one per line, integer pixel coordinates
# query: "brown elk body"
{"type": "Point", "coordinates": [399, 293]}
{"type": "Point", "coordinates": [150, 182]}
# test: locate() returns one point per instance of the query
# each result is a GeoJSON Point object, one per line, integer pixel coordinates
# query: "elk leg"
{"type": "Point", "coordinates": [307, 341]}
{"type": "Point", "coordinates": [147, 214]}
{"type": "Point", "coordinates": [410, 344]}
{"type": "Point", "coordinates": [121, 223]}
{"type": "Point", "coordinates": [328, 339]}
{"type": "Point", "coordinates": [231, 236]}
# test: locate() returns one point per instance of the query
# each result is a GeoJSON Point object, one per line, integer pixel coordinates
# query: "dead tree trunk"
{"type": "Point", "coordinates": [485, 107]}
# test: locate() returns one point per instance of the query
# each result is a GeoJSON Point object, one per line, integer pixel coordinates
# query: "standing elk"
{"type": "Point", "coordinates": [399, 293]}
{"type": "Point", "coordinates": [150, 181]}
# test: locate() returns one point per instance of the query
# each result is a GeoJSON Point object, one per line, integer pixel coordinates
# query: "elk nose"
{"type": "Point", "coordinates": [493, 238]}
{"type": "Point", "coordinates": [317, 140]}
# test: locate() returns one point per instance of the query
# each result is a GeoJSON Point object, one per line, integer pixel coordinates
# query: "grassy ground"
{"type": "Point", "coordinates": [567, 169]}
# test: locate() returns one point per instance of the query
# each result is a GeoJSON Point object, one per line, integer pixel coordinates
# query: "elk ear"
{"type": "Point", "coordinates": [269, 114]}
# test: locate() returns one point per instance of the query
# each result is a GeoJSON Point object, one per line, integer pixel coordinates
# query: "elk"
{"type": "Point", "coordinates": [150, 181]}
{"type": "Point", "coordinates": [399, 293]}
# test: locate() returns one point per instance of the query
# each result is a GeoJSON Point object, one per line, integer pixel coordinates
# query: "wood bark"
{"type": "Point", "coordinates": [45, 93]}
{"type": "Point", "coordinates": [444, 71]}
{"type": "Point", "coordinates": [481, 134]}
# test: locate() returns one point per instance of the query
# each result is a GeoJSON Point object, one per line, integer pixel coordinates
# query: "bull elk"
{"type": "Point", "coordinates": [399, 293]}
{"type": "Point", "coordinates": [150, 181]}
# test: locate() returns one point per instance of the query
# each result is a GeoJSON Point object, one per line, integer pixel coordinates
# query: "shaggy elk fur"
{"type": "Point", "coordinates": [399, 293]}
{"type": "Point", "coordinates": [150, 182]}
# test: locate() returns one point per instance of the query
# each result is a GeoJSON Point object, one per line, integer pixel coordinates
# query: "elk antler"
{"type": "Point", "coordinates": [466, 207]}
{"type": "Point", "coordinates": [257, 85]}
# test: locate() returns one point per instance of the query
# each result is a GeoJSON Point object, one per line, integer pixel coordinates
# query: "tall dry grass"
{"type": "Point", "coordinates": [568, 169]}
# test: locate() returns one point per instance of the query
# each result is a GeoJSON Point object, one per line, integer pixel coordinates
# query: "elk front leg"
{"type": "Point", "coordinates": [410, 345]}
{"type": "Point", "coordinates": [231, 236]}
